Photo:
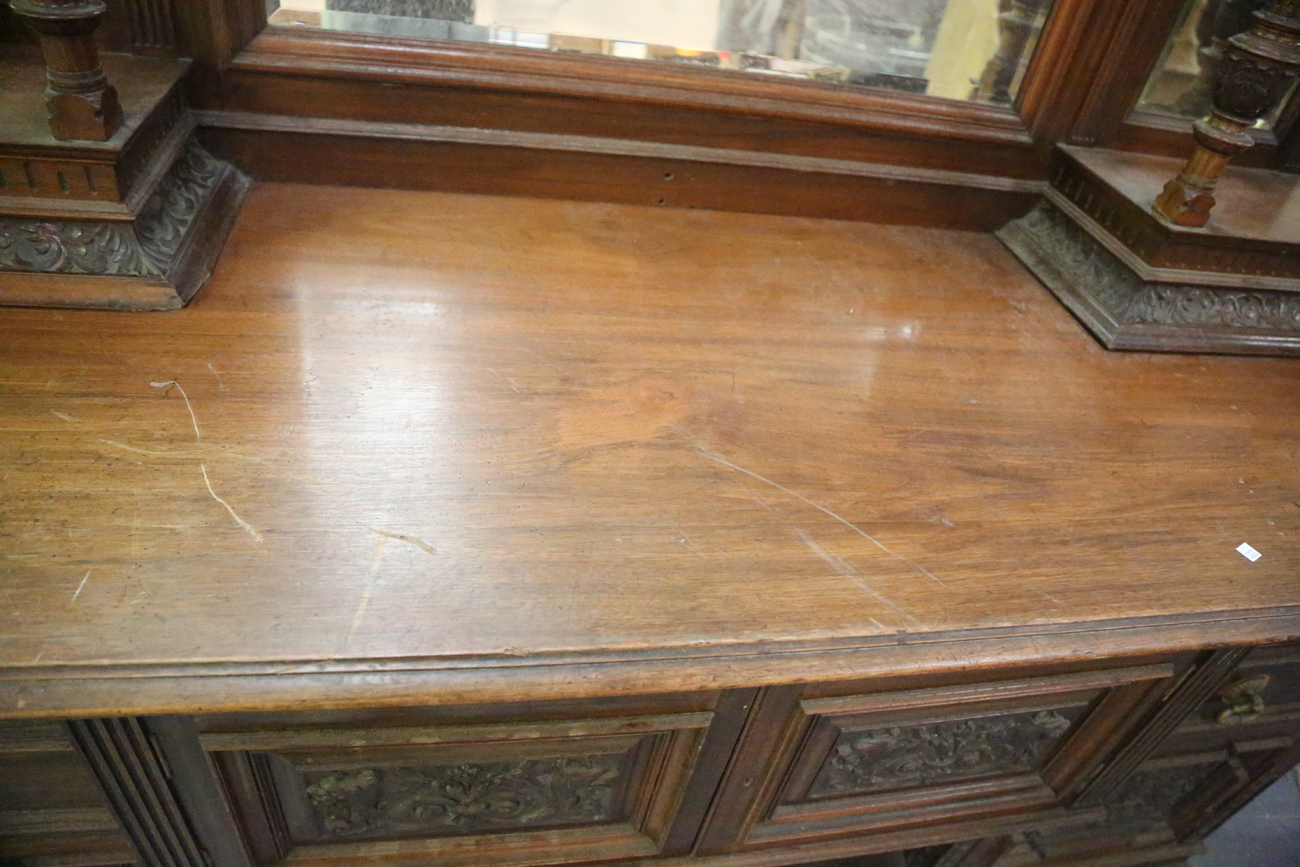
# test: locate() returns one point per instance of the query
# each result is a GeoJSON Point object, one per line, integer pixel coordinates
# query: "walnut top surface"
{"type": "Point", "coordinates": [440, 426]}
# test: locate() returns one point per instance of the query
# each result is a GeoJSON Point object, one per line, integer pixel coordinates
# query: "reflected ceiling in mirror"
{"type": "Point", "coordinates": [957, 49]}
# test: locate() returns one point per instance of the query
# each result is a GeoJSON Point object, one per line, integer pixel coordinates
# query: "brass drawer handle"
{"type": "Point", "coordinates": [1243, 700]}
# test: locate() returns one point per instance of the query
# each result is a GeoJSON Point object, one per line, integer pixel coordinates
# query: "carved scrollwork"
{"type": "Point", "coordinates": [142, 248]}
{"type": "Point", "coordinates": [167, 216]}
{"type": "Point", "coordinates": [1250, 86]}
{"type": "Point", "coordinates": [74, 247]}
{"type": "Point", "coordinates": [401, 801]}
{"type": "Point", "coordinates": [1093, 269]}
{"type": "Point", "coordinates": [905, 756]}
{"type": "Point", "coordinates": [1199, 305]}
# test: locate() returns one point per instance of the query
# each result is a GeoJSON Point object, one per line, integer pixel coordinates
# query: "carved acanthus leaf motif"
{"type": "Point", "coordinates": [143, 248]}
{"type": "Point", "coordinates": [880, 759]}
{"type": "Point", "coordinates": [401, 801]}
{"type": "Point", "coordinates": [1094, 269]}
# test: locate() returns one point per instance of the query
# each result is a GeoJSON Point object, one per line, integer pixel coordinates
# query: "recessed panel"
{"type": "Point", "coordinates": [437, 800]}
{"type": "Point", "coordinates": [896, 757]}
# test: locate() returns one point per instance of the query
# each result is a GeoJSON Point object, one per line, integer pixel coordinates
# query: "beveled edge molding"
{"type": "Point", "coordinates": [63, 690]}
{"type": "Point", "coordinates": [1123, 311]}
{"type": "Point", "coordinates": [610, 146]}
{"type": "Point", "coordinates": [283, 50]}
{"type": "Point", "coordinates": [156, 261]}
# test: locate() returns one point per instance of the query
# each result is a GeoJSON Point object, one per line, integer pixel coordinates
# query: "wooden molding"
{"type": "Point", "coordinates": [64, 690]}
{"type": "Point", "coordinates": [323, 53]}
{"type": "Point", "coordinates": [1093, 56]}
{"type": "Point", "coordinates": [122, 756]}
{"type": "Point", "coordinates": [250, 121]}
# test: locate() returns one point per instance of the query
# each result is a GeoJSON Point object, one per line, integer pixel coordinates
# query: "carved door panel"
{"type": "Point", "coordinates": [870, 766]}
{"type": "Point", "coordinates": [536, 784]}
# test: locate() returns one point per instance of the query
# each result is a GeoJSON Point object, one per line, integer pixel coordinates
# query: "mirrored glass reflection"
{"type": "Point", "coordinates": [958, 49]}
{"type": "Point", "coordinates": [1182, 82]}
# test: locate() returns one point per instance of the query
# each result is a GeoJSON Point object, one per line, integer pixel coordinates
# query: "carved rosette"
{"type": "Point", "coordinates": [449, 799]}
{"type": "Point", "coordinates": [144, 247]}
{"type": "Point", "coordinates": [906, 756]}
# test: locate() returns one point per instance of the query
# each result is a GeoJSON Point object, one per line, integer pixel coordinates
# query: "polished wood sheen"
{"type": "Point", "coordinates": [416, 447]}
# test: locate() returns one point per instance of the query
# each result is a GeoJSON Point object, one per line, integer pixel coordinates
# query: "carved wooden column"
{"type": "Point", "coordinates": [82, 104]}
{"type": "Point", "coordinates": [1255, 73]}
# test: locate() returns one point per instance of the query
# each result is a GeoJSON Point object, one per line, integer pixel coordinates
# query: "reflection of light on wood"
{"type": "Point", "coordinates": [691, 24]}
{"type": "Point", "coordinates": [968, 37]}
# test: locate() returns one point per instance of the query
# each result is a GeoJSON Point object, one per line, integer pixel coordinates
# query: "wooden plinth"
{"type": "Point", "coordinates": [1140, 283]}
{"type": "Point", "coordinates": [133, 223]}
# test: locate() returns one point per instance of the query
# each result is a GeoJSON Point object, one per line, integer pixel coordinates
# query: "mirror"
{"type": "Point", "coordinates": [1180, 86]}
{"type": "Point", "coordinates": [958, 49]}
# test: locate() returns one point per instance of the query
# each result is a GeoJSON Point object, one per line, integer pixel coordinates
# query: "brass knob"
{"type": "Point", "coordinates": [1243, 700]}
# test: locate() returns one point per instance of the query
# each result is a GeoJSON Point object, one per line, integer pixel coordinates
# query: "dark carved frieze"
{"type": "Point", "coordinates": [144, 247]}
{"type": "Point", "coordinates": [1122, 308]}
{"type": "Point", "coordinates": [431, 800]}
{"type": "Point", "coordinates": [1151, 241]}
{"type": "Point", "coordinates": [1147, 797]}
{"type": "Point", "coordinates": [905, 756]}
{"type": "Point", "coordinates": [1131, 299]}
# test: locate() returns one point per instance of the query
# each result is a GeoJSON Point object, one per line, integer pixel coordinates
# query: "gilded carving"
{"type": "Point", "coordinates": [904, 756]}
{"type": "Point", "coordinates": [401, 801]}
{"type": "Point", "coordinates": [142, 248]}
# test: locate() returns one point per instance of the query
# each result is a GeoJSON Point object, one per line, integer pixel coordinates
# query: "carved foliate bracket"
{"type": "Point", "coordinates": [165, 251]}
{"type": "Point", "coordinates": [1125, 311]}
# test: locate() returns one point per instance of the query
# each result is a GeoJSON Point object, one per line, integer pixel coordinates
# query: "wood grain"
{"type": "Point", "coordinates": [689, 443]}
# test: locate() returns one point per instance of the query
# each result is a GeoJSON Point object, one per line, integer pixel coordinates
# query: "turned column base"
{"type": "Point", "coordinates": [84, 117]}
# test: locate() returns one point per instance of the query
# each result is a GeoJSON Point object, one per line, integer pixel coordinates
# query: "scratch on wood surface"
{"type": "Point", "coordinates": [846, 569]}
{"type": "Point", "coordinates": [370, 586]}
{"type": "Point", "coordinates": [1046, 596]}
{"type": "Point", "coordinates": [221, 385]}
{"type": "Point", "coordinates": [837, 562]}
{"type": "Point", "coordinates": [80, 587]}
{"type": "Point", "coordinates": [862, 585]}
{"type": "Point", "coordinates": [402, 537]}
{"type": "Point", "coordinates": [168, 384]}
{"type": "Point", "coordinates": [798, 496]}
{"type": "Point", "coordinates": [514, 385]}
{"type": "Point", "coordinates": [247, 527]}
{"type": "Point", "coordinates": [65, 416]}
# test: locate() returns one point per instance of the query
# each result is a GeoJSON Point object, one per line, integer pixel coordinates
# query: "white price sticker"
{"type": "Point", "coordinates": [1248, 552]}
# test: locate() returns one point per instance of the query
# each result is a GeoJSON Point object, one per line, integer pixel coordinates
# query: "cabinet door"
{"type": "Point", "coordinates": [52, 811]}
{"type": "Point", "coordinates": [534, 784]}
{"type": "Point", "coordinates": [873, 766]}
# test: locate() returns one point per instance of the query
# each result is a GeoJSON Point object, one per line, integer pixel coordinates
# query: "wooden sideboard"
{"type": "Point", "coordinates": [459, 530]}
